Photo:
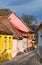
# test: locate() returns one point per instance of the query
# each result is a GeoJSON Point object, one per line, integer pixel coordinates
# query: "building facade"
{"type": "Point", "coordinates": [39, 31]}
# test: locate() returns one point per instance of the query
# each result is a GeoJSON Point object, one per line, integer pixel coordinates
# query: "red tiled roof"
{"type": "Point", "coordinates": [15, 20]}
{"type": "Point", "coordinates": [4, 29]}
{"type": "Point", "coordinates": [8, 26]}
{"type": "Point", "coordinates": [21, 33]}
{"type": "Point", "coordinates": [14, 26]}
{"type": "Point", "coordinates": [6, 23]}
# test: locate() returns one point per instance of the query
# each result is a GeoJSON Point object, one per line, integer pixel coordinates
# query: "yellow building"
{"type": "Point", "coordinates": [6, 40]}
{"type": "Point", "coordinates": [5, 47]}
{"type": "Point", "coordinates": [34, 40]}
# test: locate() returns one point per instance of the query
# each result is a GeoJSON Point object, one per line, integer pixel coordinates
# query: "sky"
{"type": "Point", "coordinates": [20, 7]}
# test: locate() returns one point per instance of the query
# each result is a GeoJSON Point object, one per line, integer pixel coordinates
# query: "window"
{"type": "Point", "coordinates": [9, 41]}
{"type": "Point", "coordinates": [5, 44]}
{"type": "Point", "coordinates": [0, 36]}
{"type": "Point", "coordinates": [5, 37]}
{"type": "Point", "coordinates": [9, 37]}
{"type": "Point", "coordinates": [41, 36]}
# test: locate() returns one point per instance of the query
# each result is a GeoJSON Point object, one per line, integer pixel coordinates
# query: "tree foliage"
{"type": "Point", "coordinates": [29, 20]}
{"type": "Point", "coordinates": [5, 12]}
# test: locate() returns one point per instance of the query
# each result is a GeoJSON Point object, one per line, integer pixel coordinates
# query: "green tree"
{"type": "Point", "coordinates": [5, 12]}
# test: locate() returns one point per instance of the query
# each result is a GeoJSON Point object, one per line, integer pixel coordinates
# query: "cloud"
{"type": "Point", "coordinates": [14, 2]}
{"type": "Point", "coordinates": [19, 2]}
{"type": "Point", "coordinates": [32, 7]}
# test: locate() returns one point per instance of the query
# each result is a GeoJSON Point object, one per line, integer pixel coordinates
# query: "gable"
{"type": "Point", "coordinates": [16, 21]}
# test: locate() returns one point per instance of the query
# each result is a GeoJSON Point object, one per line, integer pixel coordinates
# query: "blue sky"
{"type": "Point", "coordinates": [31, 7]}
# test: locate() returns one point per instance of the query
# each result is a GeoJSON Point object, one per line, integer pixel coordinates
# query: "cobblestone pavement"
{"type": "Point", "coordinates": [25, 59]}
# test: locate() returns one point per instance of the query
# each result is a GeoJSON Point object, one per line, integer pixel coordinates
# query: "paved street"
{"type": "Point", "coordinates": [25, 59]}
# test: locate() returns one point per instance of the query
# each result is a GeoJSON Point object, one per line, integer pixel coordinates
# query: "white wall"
{"type": "Point", "coordinates": [15, 50]}
{"type": "Point", "coordinates": [24, 43]}
{"type": "Point", "coordinates": [17, 46]}
{"type": "Point", "coordinates": [20, 45]}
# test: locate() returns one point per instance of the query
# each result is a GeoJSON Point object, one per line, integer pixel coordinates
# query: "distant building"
{"type": "Point", "coordinates": [39, 31]}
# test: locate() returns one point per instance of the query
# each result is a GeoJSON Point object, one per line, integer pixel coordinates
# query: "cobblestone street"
{"type": "Point", "coordinates": [25, 59]}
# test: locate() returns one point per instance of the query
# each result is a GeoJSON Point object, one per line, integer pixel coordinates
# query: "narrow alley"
{"type": "Point", "coordinates": [25, 59]}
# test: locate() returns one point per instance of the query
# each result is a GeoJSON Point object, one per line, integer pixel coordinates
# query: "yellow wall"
{"type": "Point", "coordinates": [6, 47]}
{"type": "Point", "coordinates": [32, 37]}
